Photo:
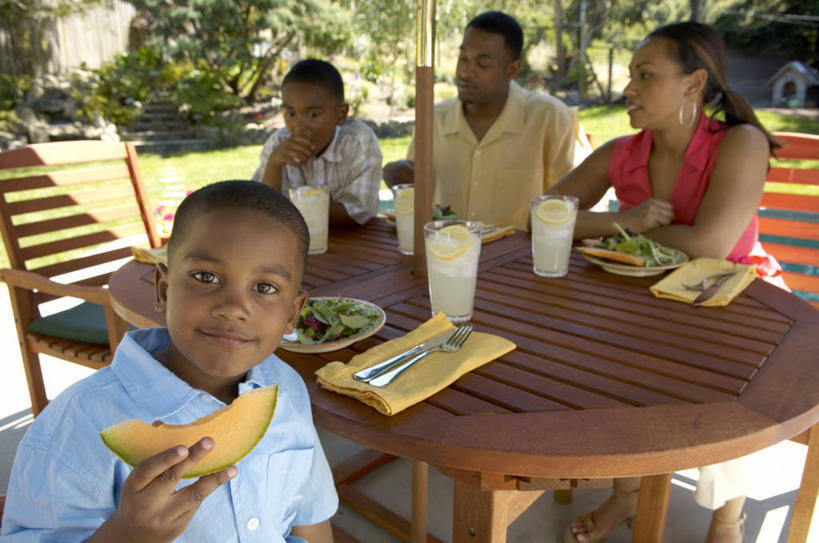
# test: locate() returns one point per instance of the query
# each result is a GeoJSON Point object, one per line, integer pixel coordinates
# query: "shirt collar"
{"type": "Point", "coordinates": [333, 151]}
{"type": "Point", "coordinates": [150, 384]}
{"type": "Point", "coordinates": [510, 120]}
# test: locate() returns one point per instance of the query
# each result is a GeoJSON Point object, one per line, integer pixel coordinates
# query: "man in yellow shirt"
{"type": "Point", "coordinates": [496, 145]}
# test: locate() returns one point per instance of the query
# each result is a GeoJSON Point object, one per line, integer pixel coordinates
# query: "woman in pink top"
{"type": "Point", "coordinates": [685, 180]}
{"type": "Point", "coordinates": [691, 183]}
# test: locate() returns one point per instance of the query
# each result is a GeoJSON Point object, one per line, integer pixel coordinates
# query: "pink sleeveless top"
{"type": "Point", "coordinates": [628, 174]}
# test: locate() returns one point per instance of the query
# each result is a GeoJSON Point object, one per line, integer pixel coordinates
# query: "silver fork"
{"type": "Point", "coordinates": [455, 342]}
{"type": "Point", "coordinates": [704, 283]}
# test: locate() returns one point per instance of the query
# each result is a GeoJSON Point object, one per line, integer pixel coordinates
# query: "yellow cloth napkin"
{"type": "Point", "coordinates": [433, 373]}
{"type": "Point", "coordinates": [698, 269]}
{"type": "Point", "coordinates": [149, 255]}
{"type": "Point", "coordinates": [497, 233]}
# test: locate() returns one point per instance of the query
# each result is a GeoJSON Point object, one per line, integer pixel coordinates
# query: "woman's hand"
{"type": "Point", "coordinates": [649, 214]}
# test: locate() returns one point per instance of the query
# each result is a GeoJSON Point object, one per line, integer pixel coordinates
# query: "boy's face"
{"type": "Point", "coordinates": [229, 293]}
{"type": "Point", "coordinates": [311, 112]}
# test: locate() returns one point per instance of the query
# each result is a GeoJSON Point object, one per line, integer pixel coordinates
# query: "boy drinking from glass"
{"type": "Point", "coordinates": [321, 147]}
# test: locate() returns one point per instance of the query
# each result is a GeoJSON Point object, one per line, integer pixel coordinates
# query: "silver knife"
{"type": "Point", "coordinates": [374, 371]}
{"type": "Point", "coordinates": [712, 289]}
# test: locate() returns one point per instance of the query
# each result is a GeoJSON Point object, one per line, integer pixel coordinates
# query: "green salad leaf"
{"type": "Point", "coordinates": [654, 253]}
{"type": "Point", "coordinates": [327, 319]}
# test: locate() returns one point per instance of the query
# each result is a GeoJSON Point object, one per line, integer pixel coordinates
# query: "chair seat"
{"type": "Point", "coordinates": [84, 323]}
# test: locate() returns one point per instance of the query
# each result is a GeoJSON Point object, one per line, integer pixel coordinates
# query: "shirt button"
{"type": "Point", "coordinates": [478, 152]}
{"type": "Point", "coordinates": [252, 523]}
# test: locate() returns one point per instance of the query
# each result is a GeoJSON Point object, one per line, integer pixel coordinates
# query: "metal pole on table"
{"type": "Point", "coordinates": [424, 80]}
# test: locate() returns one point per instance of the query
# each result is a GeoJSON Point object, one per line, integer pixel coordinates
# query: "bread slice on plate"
{"type": "Point", "coordinates": [625, 258]}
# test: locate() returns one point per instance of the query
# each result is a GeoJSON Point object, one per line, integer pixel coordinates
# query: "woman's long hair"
{"type": "Point", "coordinates": [699, 46]}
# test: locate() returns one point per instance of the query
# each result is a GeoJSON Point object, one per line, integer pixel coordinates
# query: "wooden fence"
{"type": "Point", "coordinates": [59, 46]}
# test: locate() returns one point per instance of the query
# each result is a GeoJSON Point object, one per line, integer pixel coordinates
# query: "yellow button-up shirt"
{"type": "Point", "coordinates": [528, 148]}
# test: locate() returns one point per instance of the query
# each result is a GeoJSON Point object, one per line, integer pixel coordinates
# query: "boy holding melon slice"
{"type": "Point", "coordinates": [321, 147]}
{"type": "Point", "coordinates": [231, 288]}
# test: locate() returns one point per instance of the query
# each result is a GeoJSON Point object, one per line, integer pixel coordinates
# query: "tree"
{"type": "Point", "coordinates": [239, 41]}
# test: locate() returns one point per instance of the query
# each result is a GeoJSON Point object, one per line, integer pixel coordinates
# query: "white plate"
{"type": "Point", "coordinates": [338, 343]}
{"type": "Point", "coordinates": [635, 271]}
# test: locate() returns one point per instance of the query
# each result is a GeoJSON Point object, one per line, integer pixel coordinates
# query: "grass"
{"type": "Point", "coordinates": [168, 177]}
{"type": "Point", "coordinates": [200, 168]}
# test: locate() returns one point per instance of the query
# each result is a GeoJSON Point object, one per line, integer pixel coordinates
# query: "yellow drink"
{"type": "Point", "coordinates": [404, 201]}
{"type": "Point", "coordinates": [452, 249]}
{"type": "Point", "coordinates": [314, 205]}
{"type": "Point", "coordinates": [553, 219]}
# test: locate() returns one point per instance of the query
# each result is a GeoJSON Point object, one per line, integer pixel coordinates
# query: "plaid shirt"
{"type": "Point", "coordinates": [350, 168]}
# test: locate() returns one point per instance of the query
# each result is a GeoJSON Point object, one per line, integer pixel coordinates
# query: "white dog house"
{"type": "Point", "coordinates": [793, 84]}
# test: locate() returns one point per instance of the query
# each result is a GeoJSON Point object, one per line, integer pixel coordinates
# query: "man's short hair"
{"type": "Point", "coordinates": [319, 73]}
{"type": "Point", "coordinates": [245, 196]}
{"type": "Point", "coordinates": [497, 22]}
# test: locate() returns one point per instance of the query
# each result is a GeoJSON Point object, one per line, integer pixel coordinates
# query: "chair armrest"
{"type": "Point", "coordinates": [34, 281]}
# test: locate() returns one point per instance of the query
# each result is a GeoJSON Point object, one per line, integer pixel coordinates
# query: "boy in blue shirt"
{"type": "Point", "coordinates": [232, 287]}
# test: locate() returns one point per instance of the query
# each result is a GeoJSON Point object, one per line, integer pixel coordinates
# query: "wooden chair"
{"type": "Point", "coordinates": [789, 223]}
{"type": "Point", "coordinates": [68, 220]}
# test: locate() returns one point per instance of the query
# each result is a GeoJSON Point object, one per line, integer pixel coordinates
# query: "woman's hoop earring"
{"type": "Point", "coordinates": [693, 112]}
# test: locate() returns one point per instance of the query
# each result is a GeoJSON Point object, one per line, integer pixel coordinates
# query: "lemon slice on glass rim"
{"type": "Point", "coordinates": [405, 202]}
{"type": "Point", "coordinates": [450, 242]}
{"type": "Point", "coordinates": [554, 211]}
{"type": "Point", "coordinates": [306, 191]}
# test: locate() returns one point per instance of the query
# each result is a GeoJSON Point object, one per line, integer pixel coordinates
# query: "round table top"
{"type": "Point", "coordinates": [606, 379]}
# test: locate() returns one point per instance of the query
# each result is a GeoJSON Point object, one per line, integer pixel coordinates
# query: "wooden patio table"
{"type": "Point", "coordinates": [606, 381]}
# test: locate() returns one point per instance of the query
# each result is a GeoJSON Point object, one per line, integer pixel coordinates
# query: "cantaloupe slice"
{"type": "Point", "coordinates": [235, 430]}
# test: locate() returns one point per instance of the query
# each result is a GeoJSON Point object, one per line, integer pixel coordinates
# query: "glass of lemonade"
{"type": "Point", "coordinates": [314, 205]}
{"type": "Point", "coordinates": [404, 202]}
{"type": "Point", "coordinates": [553, 218]}
{"type": "Point", "coordinates": [453, 249]}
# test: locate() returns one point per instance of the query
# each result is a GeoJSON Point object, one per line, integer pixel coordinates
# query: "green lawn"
{"type": "Point", "coordinates": [196, 169]}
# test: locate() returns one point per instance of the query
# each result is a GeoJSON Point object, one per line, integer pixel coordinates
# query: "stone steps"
{"type": "Point", "coordinates": [160, 128]}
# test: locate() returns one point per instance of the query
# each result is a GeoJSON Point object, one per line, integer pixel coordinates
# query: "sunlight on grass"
{"type": "Point", "coordinates": [172, 175]}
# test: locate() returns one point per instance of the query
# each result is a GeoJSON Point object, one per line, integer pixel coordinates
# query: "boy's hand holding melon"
{"type": "Point", "coordinates": [151, 509]}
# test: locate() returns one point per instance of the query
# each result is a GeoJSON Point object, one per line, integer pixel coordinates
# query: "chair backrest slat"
{"type": "Point", "coordinates": [119, 213]}
{"type": "Point", "coordinates": [66, 178]}
{"type": "Point", "coordinates": [82, 241]}
{"type": "Point", "coordinates": [99, 259]}
{"type": "Point", "coordinates": [98, 196]}
{"type": "Point", "coordinates": [67, 152]}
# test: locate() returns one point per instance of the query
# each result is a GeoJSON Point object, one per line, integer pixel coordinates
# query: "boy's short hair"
{"type": "Point", "coordinates": [243, 195]}
{"type": "Point", "coordinates": [319, 73]}
{"type": "Point", "coordinates": [497, 22]}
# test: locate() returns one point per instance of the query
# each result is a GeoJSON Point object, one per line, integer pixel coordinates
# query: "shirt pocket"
{"type": "Point", "coordinates": [288, 474]}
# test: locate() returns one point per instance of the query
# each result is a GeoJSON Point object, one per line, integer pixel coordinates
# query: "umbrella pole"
{"type": "Point", "coordinates": [424, 104]}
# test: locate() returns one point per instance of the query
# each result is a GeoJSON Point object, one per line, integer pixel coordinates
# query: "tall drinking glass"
{"type": "Point", "coordinates": [453, 249]}
{"type": "Point", "coordinates": [553, 218]}
{"type": "Point", "coordinates": [314, 205]}
{"type": "Point", "coordinates": [404, 202]}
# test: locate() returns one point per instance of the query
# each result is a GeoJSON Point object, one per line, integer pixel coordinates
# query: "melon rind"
{"type": "Point", "coordinates": [236, 429]}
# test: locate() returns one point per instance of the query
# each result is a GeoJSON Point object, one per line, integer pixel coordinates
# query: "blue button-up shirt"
{"type": "Point", "coordinates": [65, 483]}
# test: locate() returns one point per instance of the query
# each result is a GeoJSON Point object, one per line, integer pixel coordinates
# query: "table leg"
{"type": "Point", "coordinates": [482, 515]}
{"type": "Point", "coordinates": [478, 516]}
{"type": "Point", "coordinates": [804, 510]}
{"type": "Point", "coordinates": [649, 524]}
{"type": "Point", "coordinates": [418, 527]}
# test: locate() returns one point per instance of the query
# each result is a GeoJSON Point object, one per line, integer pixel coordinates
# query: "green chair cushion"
{"type": "Point", "coordinates": [85, 323]}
